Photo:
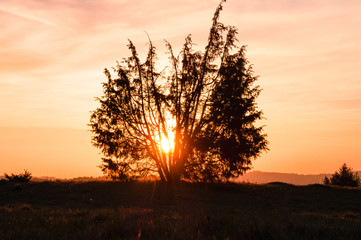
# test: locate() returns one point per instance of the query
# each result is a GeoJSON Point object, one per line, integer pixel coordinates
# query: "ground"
{"type": "Point", "coordinates": [151, 210]}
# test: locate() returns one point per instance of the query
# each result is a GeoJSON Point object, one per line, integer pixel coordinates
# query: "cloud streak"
{"type": "Point", "coordinates": [53, 52]}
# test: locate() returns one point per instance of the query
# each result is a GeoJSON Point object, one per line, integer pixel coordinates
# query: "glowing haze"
{"type": "Point", "coordinates": [52, 55]}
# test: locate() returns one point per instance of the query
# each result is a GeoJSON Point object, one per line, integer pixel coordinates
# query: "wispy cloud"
{"type": "Point", "coordinates": [52, 55]}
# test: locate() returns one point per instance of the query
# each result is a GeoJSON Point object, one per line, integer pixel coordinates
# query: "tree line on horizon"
{"type": "Point", "coordinates": [343, 177]}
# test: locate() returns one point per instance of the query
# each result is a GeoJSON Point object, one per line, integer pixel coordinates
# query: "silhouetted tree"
{"type": "Point", "coordinates": [326, 181]}
{"type": "Point", "coordinates": [344, 177]}
{"type": "Point", "coordinates": [19, 178]}
{"type": "Point", "coordinates": [203, 107]}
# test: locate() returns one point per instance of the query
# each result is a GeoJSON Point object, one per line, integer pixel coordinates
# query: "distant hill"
{"type": "Point", "coordinates": [292, 178]}
{"type": "Point", "coordinates": [76, 179]}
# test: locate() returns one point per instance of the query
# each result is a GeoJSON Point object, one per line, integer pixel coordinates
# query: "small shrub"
{"type": "Point", "coordinates": [344, 177]}
{"type": "Point", "coordinates": [19, 178]}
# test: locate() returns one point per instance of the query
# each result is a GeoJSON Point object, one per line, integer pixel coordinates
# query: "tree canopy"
{"type": "Point", "coordinates": [194, 120]}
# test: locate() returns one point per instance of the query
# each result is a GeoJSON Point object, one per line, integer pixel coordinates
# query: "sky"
{"type": "Point", "coordinates": [53, 53]}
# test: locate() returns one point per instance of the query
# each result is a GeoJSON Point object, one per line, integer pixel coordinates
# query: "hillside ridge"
{"type": "Point", "coordinates": [261, 177]}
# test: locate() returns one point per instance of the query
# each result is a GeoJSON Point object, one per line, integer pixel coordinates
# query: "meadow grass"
{"type": "Point", "coordinates": [152, 210]}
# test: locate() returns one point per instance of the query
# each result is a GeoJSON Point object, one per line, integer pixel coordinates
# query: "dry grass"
{"type": "Point", "coordinates": [110, 210]}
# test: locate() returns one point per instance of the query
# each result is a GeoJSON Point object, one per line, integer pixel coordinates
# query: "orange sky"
{"type": "Point", "coordinates": [52, 56]}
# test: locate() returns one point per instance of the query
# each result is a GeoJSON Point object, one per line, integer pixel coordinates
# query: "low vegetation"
{"type": "Point", "coordinates": [153, 210]}
{"type": "Point", "coordinates": [19, 178]}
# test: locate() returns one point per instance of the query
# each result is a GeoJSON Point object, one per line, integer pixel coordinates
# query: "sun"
{"type": "Point", "coordinates": [167, 144]}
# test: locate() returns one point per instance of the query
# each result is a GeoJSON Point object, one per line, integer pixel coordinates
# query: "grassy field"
{"type": "Point", "coordinates": [112, 210]}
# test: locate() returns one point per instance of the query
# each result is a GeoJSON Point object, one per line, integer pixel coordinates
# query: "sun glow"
{"type": "Point", "coordinates": [167, 144]}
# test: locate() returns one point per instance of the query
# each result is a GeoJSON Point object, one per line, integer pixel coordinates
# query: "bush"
{"type": "Point", "coordinates": [326, 181]}
{"type": "Point", "coordinates": [19, 178]}
{"type": "Point", "coordinates": [344, 177]}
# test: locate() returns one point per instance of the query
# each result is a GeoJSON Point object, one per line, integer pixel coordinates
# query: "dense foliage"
{"type": "Point", "coordinates": [344, 177]}
{"type": "Point", "coordinates": [203, 106]}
